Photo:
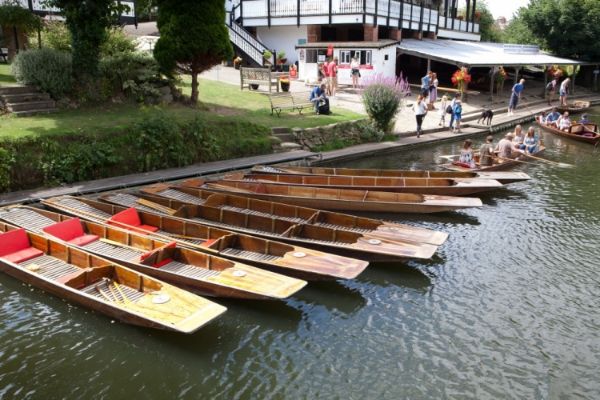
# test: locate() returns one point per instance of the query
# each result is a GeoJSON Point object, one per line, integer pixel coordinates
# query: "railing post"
{"type": "Point", "coordinates": [364, 11]}
{"type": "Point", "coordinates": [268, 13]}
{"type": "Point", "coordinates": [452, 13]}
{"type": "Point", "coordinates": [401, 17]}
{"type": "Point", "coordinates": [242, 12]}
{"type": "Point", "coordinates": [376, 12]}
{"type": "Point", "coordinates": [473, 16]}
{"type": "Point", "coordinates": [330, 6]}
{"type": "Point", "coordinates": [298, 13]}
{"type": "Point", "coordinates": [389, 11]}
{"type": "Point", "coordinates": [421, 19]}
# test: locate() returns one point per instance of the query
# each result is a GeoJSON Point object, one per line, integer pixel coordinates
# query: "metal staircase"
{"type": "Point", "coordinates": [243, 40]}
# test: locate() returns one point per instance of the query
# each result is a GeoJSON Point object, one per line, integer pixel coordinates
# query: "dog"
{"type": "Point", "coordinates": [486, 114]}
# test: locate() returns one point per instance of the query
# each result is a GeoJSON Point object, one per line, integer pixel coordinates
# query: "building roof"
{"type": "Point", "coordinates": [348, 45]}
{"type": "Point", "coordinates": [480, 54]}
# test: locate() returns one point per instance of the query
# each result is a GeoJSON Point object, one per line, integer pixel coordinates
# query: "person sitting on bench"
{"type": "Point", "coordinates": [319, 98]}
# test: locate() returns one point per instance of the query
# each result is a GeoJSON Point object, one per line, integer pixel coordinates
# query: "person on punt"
{"type": "Point", "coordinates": [518, 138]}
{"type": "Point", "coordinates": [584, 119]}
{"type": "Point", "coordinates": [486, 152]}
{"type": "Point", "coordinates": [531, 141]}
{"type": "Point", "coordinates": [552, 117]}
{"type": "Point", "coordinates": [466, 155]}
{"type": "Point", "coordinates": [505, 147]}
{"type": "Point", "coordinates": [564, 122]}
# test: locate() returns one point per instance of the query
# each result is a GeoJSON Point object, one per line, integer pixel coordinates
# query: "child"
{"type": "Point", "coordinates": [442, 110]}
{"type": "Point", "coordinates": [457, 112]}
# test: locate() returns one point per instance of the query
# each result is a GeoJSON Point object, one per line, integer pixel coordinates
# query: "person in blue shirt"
{"type": "Point", "coordinates": [318, 97]}
{"type": "Point", "coordinates": [426, 83]}
{"type": "Point", "coordinates": [515, 96]}
{"type": "Point", "coordinates": [552, 117]}
{"type": "Point", "coordinates": [584, 119]}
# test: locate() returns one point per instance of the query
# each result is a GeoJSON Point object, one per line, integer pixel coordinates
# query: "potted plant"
{"type": "Point", "coordinates": [461, 79]}
{"type": "Point", "coordinates": [284, 81]}
{"type": "Point", "coordinates": [237, 62]}
{"type": "Point", "coordinates": [281, 57]}
{"type": "Point", "coordinates": [267, 56]}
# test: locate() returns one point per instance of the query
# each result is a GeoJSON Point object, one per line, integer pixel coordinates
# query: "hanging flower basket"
{"type": "Point", "coordinates": [461, 79]}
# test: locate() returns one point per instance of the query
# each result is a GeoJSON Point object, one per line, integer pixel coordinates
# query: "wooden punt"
{"type": "Point", "coordinates": [575, 107]}
{"type": "Point", "coordinates": [98, 284]}
{"type": "Point", "coordinates": [348, 243]}
{"type": "Point", "coordinates": [502, 177]}
{"type": "Point", "coordinates": [499, 164]}
{"type": "Point", "coordinates": [430, 186]}
{"type": "Point", "coordinates": [586, 133]}
{"type": "Point", "coordinates": [278, 257]}
{"type": "Point", "coordinates": [339, 199]}
{"type": "Point", "coordinates": [183, 267]}
{"type": "Point", "coordinates": [180, 196]}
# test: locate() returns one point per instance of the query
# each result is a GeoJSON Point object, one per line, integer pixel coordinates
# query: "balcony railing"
{"type": "Point", "coordinates": [410, 16]}
{"type": "Point", "coordinates": [39, 6]}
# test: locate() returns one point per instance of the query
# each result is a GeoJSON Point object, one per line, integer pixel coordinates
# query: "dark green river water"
{"type": "Point", "coordinates": [509, 308]}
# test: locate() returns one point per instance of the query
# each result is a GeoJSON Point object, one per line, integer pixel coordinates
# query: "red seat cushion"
{"type": "Point", "coordinates": [155, 252]}
{"type": "Point", "coordinates": [148, 228]}
{"type": "Point", "coordinates": [66, 230]}
{"type": "Point", "coordinates": [130, 220]}
{"type": "Point", "coordinates": [23, 255]}
{"type": "Point", "coordinates": [12, 241]}
{"type": "Point", "coordinates": [83, 240]}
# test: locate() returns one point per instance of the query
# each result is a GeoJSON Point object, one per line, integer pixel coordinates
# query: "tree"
{"type": "Point", "coordinates": [16, 22]}
{"type": "Point", "coordinates": [568, 28]}
{"type": "Point", "coordinates": [518, 32]}
{"type": "Point", "coordinates": [487, 24]}
{"type": "Point", "coordinates": [88, 21]}
{"type": "Point", "coordinates": [193, 37]}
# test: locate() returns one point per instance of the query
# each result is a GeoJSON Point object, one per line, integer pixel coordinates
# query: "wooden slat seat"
{"type": "Point", "coordinates": [289, 101]}
{"type": "Point", "coordinates": [50, 267]}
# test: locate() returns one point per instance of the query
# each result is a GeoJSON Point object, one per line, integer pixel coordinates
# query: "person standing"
{"type": "Point", "coordinates": [564, 91]}
{"type": "Point", "coordinates": [551, 89]}
{"type": "Point", "coordinates": [332, 70]}
{"type": "Point", "coordinates": [355, 71]}
{"type": "Point", "coordinates": [443, 111]}
{"type": "Point", "coordinates": [433, 91]}
{"type": "Point", "coordinates": [515, 96]}
{"type": "Point", "coordinates": [420, 109]}
{"type": "Point", "coordinates": [325, 70]}
{"type": "Point", "coordinates": [425, 83]}
{"type": "Point", "coordinates": [486, 152]}
{"type": "Point", "coordinates": [450, 110]}
{"type": "Point", "coordinates": [457, 113]}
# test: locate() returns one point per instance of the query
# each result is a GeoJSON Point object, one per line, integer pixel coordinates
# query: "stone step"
{"type": "Point", "coordinates": [285, 137]}
{"type": "Point", "coordinates": [279, 129]}
{"type": "Point", "coordinates": [16, 89]}
{"type": "Point", "coordinates": [289, 146]}
{"type": "Point", "coordinates": [31, 105]}
{"type": "Point", "coordinates": [29, 113]}
{"type": "Point", "coordinates": [21, 98]}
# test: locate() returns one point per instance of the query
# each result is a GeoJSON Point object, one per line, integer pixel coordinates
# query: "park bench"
{"type": "Point", "coordinates": [259, 76]}
{"type": "Point", "coordinates": [289, 101]}
{"type": "Point", "coordinates": [4, 54]}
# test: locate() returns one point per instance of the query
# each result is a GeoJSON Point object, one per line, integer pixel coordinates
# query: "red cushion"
{"type": "Point", "coordinates": [208, 242]}
{"type": "Point", "coordinates": [66, 230]}
{"type": "Point", "coordinates": [83, 240]}
{"type": "Point", "coordinates": [128, 217]}
{"type": "Point", "coordinates": [145, 256]}
{"type": "Point", "coordinates": [13, 241]}
{"type": "Point", "coordinates": [148, 228]}
{"type": "Point", "coordinates": [461, 164]}
{"type": "Point", "coordinates": [23, 255]}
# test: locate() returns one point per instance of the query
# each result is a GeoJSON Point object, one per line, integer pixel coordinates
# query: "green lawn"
{"type": "Point", "coordinates": [5, 74]}
{"type": "Point", "coordinates": [218, 100]}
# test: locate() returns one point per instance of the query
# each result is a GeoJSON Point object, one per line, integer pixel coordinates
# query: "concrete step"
{"type": "Point", "coordinates": [279, 129]}
{"type": "Point", "coordinates": [31, 105]}
{"type": "Point", "coordinates": [289, 146]}
{"type": "Point", "coordinates": [16, 89]}
{"type": "Point", "coordinates": [285, 137]}
{"type": "Point", "coordinates": [21, 98]}
{"type": "Point", "coordinates": [29, 113]}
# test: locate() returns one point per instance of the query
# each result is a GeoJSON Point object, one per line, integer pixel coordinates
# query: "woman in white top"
{"type": "Point", "coordinates": [355, 71]}
{"type": "Point", "coordinates": [563, 91]}
{"type": "Point", "coordinates": [564, 122]}
{"type": "Point", "coordinates": [466, 154]}
{"type": "Point", "coordinates": [433, 90]}
{"type": "Point", "coordinates": [420, 109]}
{"type": "Point", "coordinates": [518, 138]}
{"type": "Point", "coordinates": [443, 111]}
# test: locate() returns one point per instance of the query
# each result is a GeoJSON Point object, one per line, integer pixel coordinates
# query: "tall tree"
{"type": "Point", "coordinates": [88, 21]}
{"type": "Point", "coordinates": [568, 28]}
{"type": "Point", "coordinates": [193, 37]}
{"type": "Point", "coordinates": [518, 32]}
{"type": "Point", "coordinates": [488, 29]}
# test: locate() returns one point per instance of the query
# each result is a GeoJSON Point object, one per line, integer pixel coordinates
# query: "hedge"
{"type": "Point", "coordinates": [158, 142]}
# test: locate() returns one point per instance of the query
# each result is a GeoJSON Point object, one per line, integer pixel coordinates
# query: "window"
{"type": "Point", "coordinates": [345, 57]}
{"type": "Point", "coordinates": [364, 56]}
{"type": "Point", "coordinates": [311, 56]}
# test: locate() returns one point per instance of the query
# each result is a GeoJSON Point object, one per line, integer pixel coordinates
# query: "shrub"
{"type": "Point", "coordinates": [6, 161]}
{"type": "Point", "coordinates": [55, 35]}
{"type": "Point", "coordinates": [134, 74]}
{"type": "Point", "coordinates": [117, 42]}
{"type": "Point", "coordinates": [382, 98]}
{"type": "Point", "coordinates": [48, 69]}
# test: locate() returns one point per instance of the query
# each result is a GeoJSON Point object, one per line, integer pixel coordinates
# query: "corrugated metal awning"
{"type": "Point", "coordinates": [480, 54]}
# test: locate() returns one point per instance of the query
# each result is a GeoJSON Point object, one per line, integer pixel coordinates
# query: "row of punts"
{"type": "Point", "coordinates": [147, 256]}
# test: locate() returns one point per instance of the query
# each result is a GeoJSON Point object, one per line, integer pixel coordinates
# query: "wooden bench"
{"type": "Point", "coordinates": [289, 101]}
{"type": "Point", "coordinates": [4, 54]}
{"type": "Point", "coordinates": [259, 76]}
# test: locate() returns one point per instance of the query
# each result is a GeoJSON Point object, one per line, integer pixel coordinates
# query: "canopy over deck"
{"type": "Point", "coordinates": [480, 54]}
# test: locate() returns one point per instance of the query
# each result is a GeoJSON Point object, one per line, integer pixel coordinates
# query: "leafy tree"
{"type": "Point", "coordinates": [517, 31]}
{"type": "Point", "coordinates": [88, 21]}
{"type": "Point", "coordinates": [568, 28]}
{"type": "Point", "coordinates": [487, 24]}
{"type": "Point", "coordinates": [19, 20]}
{"type": "Point", "coordinates": [193, 37]}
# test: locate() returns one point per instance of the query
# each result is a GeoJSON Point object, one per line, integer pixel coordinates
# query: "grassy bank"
{"type": "Point", "coordinates": [6, 75]}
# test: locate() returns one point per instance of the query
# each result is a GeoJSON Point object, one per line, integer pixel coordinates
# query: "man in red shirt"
{"type": "Point", "coordinates": [332, 72]}
{"type": "Point", "coordinates": [325, 72]}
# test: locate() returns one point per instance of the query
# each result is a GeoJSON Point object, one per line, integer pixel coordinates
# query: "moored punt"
{"type": "Point", "coordinates": [98, 284]}
{"type": "Point", "coordinates": [575, 107]}
{"type": "Point", "coordinates": [431, 186]}
{"type": "Point", "coordinates": [339, 199]}
{"type": "Point", "coordinates": [587, 133]}
{"type": "Point", "coordinates": [175, 197]}
{"type": "Point", "coordinates": [499, 164]}
{"type": "Point", "coordinates": [186, 268]}
{"type": "Point", "coordinates": [502, 177]}
{"type": "Point", "coordinates": [349, 243]}
{"type": "Point", "coordinates": [268, 254]}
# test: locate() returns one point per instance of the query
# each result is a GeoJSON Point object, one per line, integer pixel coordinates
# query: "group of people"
{"type": "Point", "coordinates": [563, 90]}
{"type": "Point", "coordinates": [429, 88]}
{"type": "Point", "coordinates": [513, 144]}
{"type": "Point", "coordinates": [561, 121]}
{"type": "Point", "coordinates": [329, 72]}
{"type": "Point", "coordinates": [454, 109]}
